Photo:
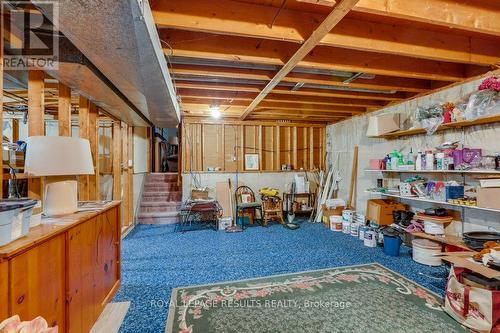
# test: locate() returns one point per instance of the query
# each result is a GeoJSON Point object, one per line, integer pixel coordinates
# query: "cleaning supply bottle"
{"type": "Point", "coordinates": [394, 160]}
{"type": "Point", "coordinates": [418, 162]}
{"type": "Point", "coordinates": [410, 158]}
{"type": "Point", "coordinates": [429, 160]}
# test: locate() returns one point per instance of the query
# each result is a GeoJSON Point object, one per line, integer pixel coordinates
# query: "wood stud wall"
{"type": "Point", "coordinates": [215, 145]}
{"type": "Point", "coordinates": [91, 128]}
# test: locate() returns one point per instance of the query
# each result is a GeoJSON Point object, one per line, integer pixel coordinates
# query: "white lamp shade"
{"type": "Point", "coordinates": [58, 156]}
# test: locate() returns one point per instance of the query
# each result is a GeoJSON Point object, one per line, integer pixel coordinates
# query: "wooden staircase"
{"type": "Point", "coordinates": [161, 199]}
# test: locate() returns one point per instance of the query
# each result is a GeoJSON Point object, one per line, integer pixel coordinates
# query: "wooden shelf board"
{"type": "Point", "coordinates": [446, 239]}
{"type": "Point", "coordinates": [443, 127]}
{"type": "Point", "coordinates": [434, 202]}
{"type": "Point", "coordinates": [475, 172]}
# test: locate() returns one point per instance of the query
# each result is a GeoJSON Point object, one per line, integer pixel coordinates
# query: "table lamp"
{"type": "Point", "coordinates": [60, 159]}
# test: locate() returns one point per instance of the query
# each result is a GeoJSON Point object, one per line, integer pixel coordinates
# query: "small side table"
{"type": "Point", "coordinates": [287, 197]}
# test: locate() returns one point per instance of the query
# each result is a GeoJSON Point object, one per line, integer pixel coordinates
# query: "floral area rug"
{"type": "Point", "coordinates": [365, 298]}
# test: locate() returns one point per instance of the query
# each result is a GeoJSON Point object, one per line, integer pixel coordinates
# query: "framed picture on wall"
{"type": "Point", "coordinates": [251, 161]}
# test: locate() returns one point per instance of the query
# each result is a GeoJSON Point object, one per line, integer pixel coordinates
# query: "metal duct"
{"type": "Point", "coordinates": [120, 39]}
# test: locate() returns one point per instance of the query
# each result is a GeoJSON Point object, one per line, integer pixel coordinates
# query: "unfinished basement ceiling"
{"type": "Point", "coordinates": [222, 53]}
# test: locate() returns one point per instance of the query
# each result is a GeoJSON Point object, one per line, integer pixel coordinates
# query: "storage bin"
{"type": "Point", "coordinates": [224, 222]}
{"type": "Point", "coordinates": [454, 192]}
{"type": "Point", "coordinates": [15, 216]}
{"type": "Point", "coordinates": [425, 251]}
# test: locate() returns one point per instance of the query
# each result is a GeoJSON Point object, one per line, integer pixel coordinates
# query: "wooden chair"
{"type": "Point", "coordinates": [272, 209]}
{"type": "Point", "coordinates": [246, 205]}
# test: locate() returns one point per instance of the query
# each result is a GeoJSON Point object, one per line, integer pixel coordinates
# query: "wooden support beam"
{"type": "Point", "coordinates": [64, 110]}
{"type": "Point", "coordinates": [93, 129]}
{"type": "Point", "coordinates": [36, 123]}
{"type": "Point", "coordinates": [251, 50]}
{"type": "Point", "coordinates": [250, 20]}
{"type": "Point", "coordinates": [382, 83]}
{"type": "Point", "coordinates": [117, 159]}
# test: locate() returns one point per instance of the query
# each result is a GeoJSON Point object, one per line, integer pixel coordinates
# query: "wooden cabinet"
{"type": "Point", "coordinates": [66, 275]}
{"type": "Point", "coordinates": [4, 289]}
{"type": "Point", "coordinates": [37, 280]}
{"type": "Point", "coordinates": [92, 249]}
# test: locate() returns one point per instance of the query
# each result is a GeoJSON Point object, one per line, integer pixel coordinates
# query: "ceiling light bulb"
{"type": "Point", "coordinates": [215, 111]}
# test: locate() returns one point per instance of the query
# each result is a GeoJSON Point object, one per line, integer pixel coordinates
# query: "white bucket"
{"type": "Point", "coordinates": [354, 229]}
{"type": "Point", "coordinates": [336, 223]}
{"type": "Point", "coordinates": [433, 228]}
{"type": "Point", "coordinates": [424, 252]}
{"type": "Point", "coordinates": [370, 238]}
{"type": "Point", "coordinates": [224, 222]}
{"type": "Point", "coordinates": [347, 215]}
{"type": "Point", "coordinates": [346, 227]}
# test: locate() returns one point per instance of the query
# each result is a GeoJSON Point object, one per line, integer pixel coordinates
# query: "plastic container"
{"type": "Point", "coordinates": [336, 223]}
{"type": "Point", "coordinates": [224, 222]}
{"type": "Point", "coordinates": [370, 238]}
{"type": "Point", "coordinates": [346, 227]}
{"type": "Point", "coordinates": [15, 216]}
{"type": "Point", "coordinates": [354, 229]}
{"type": "Point", "coordinates": [425, 251]}
{"type": "Point", "coordinates": [392, 245]}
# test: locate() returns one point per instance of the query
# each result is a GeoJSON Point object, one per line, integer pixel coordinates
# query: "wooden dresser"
{"type": "Point", "coordinates": [65, 271]}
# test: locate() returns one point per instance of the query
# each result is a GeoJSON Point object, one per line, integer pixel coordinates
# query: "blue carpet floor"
{"type": "Point", "coordinates": [156, 259]}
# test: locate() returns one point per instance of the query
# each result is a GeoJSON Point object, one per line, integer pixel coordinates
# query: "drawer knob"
{"type": "Point", "coordinates": [20, 299]}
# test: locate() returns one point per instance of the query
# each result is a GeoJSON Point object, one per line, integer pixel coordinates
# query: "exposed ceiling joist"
{"type": "Point", "coordinates": [475, 16]}
{"type": "Point", "coordinates": [232, 48]}
{"type": "Point", "coordinates": [252, 20]}
{"type": "Point", "coordinates": [249, 96]}
{"type": "Point", "coordinates": [286, 91]}
{"type": "Point", "coordinates": [381, 83]}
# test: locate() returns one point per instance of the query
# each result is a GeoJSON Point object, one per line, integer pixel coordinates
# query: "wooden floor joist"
{"type": "Point", "coordinates": [270, 52]}
{"type": "Point", "coordinates": [249, 20]}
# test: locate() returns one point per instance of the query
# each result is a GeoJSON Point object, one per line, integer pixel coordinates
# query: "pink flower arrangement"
{"type": "Point", "coordinates": [300, 285]}
{"type": "Point", "coordinates": [15, 325]}
{"type": "Point", "coordinates": [491, 83]}
{"type": "Point", "coordinates": [348, 277]}
{"type": "Point", "coordinates": [421, 293]}
{"type": "Point", "coordinates": [262, 293]}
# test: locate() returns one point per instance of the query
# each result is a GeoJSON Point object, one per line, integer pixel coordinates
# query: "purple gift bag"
{"type": "Point", "coordinates": [467, 156]}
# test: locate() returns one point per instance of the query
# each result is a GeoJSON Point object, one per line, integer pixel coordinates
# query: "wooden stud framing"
{"type": "Point", "coordinates": [1, 105]}
{"type": "Point", "coordinates": [116, 156]}
{"type": "Point", "coordinates": [93, 131]}
{"type": "Point", "coordinates": [130, 174]}
{"type": "Point", "coordinates": [36, 123]}
{"type": "Point", "coordinates": [84, 123]}
{"type": "Point", "coordinates": [124, 175]}
{"type": "Point", "coordinates": [64, 110]}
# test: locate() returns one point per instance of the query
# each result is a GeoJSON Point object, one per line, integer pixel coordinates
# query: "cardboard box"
{"type": "Point", "coordinates": [383, 124]}
{"type": "Point", "coordinates": [199, 195]}
{"type": "Point", "coordinates": [380, 210]}
{"type": "Point", "coordinates": [327, 212]}
{"type": "Point", "coordinates": [488, 197]}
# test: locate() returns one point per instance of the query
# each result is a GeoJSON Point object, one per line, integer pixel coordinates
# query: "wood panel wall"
{"type": "Point", "coordinates": [223, 145]}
